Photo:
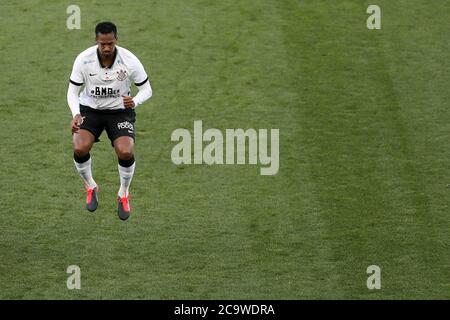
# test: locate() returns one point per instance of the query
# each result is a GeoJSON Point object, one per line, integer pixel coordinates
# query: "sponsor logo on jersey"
{"type": "Point", "coordinates": [104, 92]}
{"type": "Point", "coordinates": [125, 125]}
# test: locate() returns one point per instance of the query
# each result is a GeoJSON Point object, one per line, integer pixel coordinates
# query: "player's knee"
{"type": "Point", "coordinates": [125, 153]}
{"type": "Point", "coordinates": [81, 148]}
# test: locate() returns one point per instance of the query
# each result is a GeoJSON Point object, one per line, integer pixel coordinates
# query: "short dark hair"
{"type": "Point", "coordinates": [106, 27]}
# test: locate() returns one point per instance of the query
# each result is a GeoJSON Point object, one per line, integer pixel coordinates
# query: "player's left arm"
{"type": "Point", "coordinates": [145, 92]}
{"type": "Point", "coordinates": [140, 78]}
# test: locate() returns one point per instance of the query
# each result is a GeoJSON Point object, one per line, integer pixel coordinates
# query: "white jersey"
{"type": "Point", "coordinates": [104, 87]}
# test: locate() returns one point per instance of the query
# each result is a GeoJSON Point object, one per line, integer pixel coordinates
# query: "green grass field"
{"type": "Point", "coordinates": [364, 153]}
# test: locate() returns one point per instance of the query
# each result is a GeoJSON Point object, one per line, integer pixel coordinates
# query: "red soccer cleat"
{"type": "Point", "coordinates": [91, 199]}
{"type": "Point", "coordinates": [124, 208]}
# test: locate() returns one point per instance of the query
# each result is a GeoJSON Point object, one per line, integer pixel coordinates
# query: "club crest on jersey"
{"type": "Point", "coordinates": [121, 75]}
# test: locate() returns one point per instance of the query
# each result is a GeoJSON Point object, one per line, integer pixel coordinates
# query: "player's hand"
{"type": "Point", "coordinates": [76, 123]}
{"type": "Point", "coordinates": [128, 102]}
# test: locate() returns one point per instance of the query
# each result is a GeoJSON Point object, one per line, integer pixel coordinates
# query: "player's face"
{"type": "Point", "coordinates": [106, 43]}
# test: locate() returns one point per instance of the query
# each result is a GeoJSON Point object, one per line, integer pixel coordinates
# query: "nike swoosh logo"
{"type": "Point", "coordinates": [92, 74]}
{"type": "Point", "coordinates": [129, 131]}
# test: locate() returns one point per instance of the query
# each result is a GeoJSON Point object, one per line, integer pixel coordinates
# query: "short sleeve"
{"type": "Point", "coordinates": [138, 75]}
{"type": "Point", "coordinates": [76, 77]}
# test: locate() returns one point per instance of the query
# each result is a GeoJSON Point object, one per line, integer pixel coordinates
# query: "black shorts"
{"type": "Point", "coordinates": [117, 123]}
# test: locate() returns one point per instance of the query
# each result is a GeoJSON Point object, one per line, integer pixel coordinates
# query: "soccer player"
{"type": "Point", "coordinates": [106, 71]}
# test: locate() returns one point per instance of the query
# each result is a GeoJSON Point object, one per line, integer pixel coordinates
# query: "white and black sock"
{"type": "Point", "coordinates": [126, 171]}
{"type": "Point", "coordinates": [83, 165]}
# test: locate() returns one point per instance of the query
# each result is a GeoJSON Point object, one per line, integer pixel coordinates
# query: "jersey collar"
{"type": "Point", "coordinates": [100, 60]}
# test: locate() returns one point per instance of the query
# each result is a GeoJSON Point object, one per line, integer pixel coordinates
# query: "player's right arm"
{"type": "Point", "coordinates": [74, 105]}
{"type": "Point", "coordinates": [76, 81]}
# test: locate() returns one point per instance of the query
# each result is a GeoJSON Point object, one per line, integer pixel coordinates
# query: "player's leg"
{"type": "Point", "coordinates": [124, 146]}
{"type": "Point", "coordinates": [82, 144]}
{"type": "Point", "coordinates": [120, 129]}
{"type": "Point", "coordinates": [90, 130]}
